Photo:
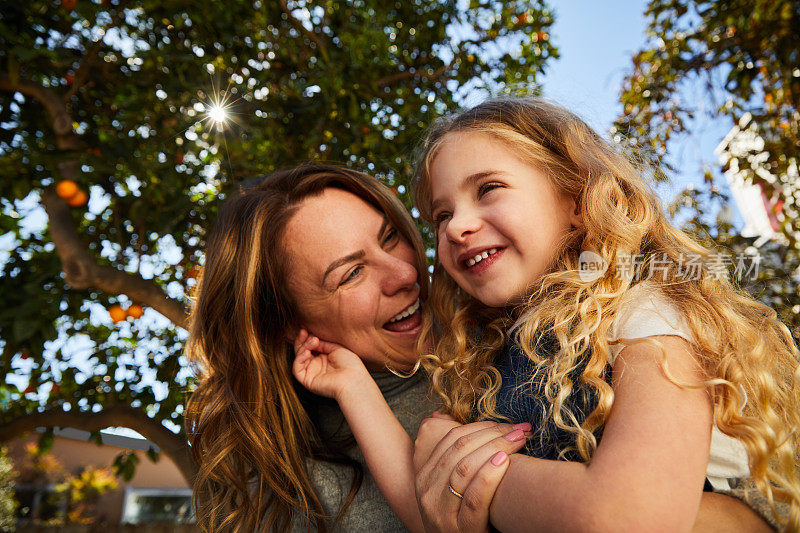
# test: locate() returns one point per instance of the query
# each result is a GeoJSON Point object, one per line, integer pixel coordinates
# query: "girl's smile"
{"type": "Point", "coordinates": [499, 220]}
{"type": "Point", "coordinates": [480, 259]}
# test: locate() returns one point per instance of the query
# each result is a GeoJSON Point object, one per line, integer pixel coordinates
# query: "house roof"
{"type": "Point", "coordinates": [109, 438]}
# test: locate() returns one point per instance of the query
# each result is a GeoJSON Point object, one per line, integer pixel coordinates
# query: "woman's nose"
{"type": "Point", "coordinates": [398, 275]}
{"type": "Point", "coordinates": [462, 224]}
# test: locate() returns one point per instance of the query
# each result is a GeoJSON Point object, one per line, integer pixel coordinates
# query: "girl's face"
{"type": "Point", "coordinates": [498, 219]}
{"type": "Point", "coordinates": [351, 273]}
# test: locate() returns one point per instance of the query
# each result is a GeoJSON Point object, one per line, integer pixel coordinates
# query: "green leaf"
{"type": "Point", "coordinates": [152, 454]}
{"type": "Point", "coordinates": [46, 441]}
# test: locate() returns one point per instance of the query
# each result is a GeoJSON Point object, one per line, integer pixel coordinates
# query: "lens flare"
{"type": "Point", "coordinates": [218, 114]}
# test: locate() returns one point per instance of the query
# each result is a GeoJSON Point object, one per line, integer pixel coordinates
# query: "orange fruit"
{"type": "Point", "coordinates": [66, 189]}
{"type": "Point", "coordinates": [135, 311]}
{"type": "Point", "coordinates": [29, 390]}
{"type": "Point", "coordinates": [117, 313]}
{"type": "Point", "coordinates": [78, 199]}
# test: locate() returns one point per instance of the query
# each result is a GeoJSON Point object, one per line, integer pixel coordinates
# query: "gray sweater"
{"type": "Point", "coordinates": [410, 402]}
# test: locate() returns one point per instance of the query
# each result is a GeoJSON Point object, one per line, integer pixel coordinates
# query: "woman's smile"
{"type": "Point", "coordinates": [408, 322]}
{"type": "Point", "coordinates": [360, 287]}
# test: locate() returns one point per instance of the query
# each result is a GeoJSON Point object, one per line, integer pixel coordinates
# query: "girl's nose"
{"type": "Point", "coordinates": [398, 275]}
{"type": "Point", "coordinates": [462, 224]}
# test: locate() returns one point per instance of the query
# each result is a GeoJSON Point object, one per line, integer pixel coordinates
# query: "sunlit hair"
{"type": "Point", "coordinates": [251, 426]}
{"type": "Point", "coordinates": [740, 343]}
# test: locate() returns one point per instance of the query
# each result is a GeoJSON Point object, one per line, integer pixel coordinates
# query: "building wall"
{"type": "Point", "coordinates": [75, 455]}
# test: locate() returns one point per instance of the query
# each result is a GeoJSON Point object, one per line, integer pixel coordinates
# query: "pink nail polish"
{"type": "Point", "coordinates": [516, 435]}
{"type": "Point", "coordinates": [524, 426]}
{"type": "Point", "coordinates": [499, 458]}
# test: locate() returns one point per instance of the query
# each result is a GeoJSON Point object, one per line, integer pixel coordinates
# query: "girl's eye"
{"type": "Point", "coordinates": [351, 276]}
{"type": "Point", "coordinates": [486, 187]}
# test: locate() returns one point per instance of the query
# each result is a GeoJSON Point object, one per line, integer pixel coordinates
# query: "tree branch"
{"type": "Point", "coordinates": [59, 117]}
{"type": "Point", "coordinates": [171, 444]}
{"type": "Point", "coordinates": [82, 72]}
{"type": "Point", "coordinates": [82, 271]}
{"type": "Point", "coordinates": [308, 33]}
{"type": "Point", "coordinates": [406, 74]}
{"type": "Point", "coordinates": [80, 267]}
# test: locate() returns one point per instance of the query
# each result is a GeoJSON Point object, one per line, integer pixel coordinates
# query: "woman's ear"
{"type": "Point", "coordinates": [291, 334]}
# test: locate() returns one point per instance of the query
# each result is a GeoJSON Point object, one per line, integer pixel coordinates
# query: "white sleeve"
{"type": "Point", "coordinates": [646, 312]}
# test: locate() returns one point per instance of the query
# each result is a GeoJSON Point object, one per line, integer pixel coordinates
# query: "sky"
{"type": "Point", "coordinates": [596, 41]}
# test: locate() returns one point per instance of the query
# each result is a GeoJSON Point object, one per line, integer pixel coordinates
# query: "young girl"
{"type": "Point", "coordinates": [689, 381]}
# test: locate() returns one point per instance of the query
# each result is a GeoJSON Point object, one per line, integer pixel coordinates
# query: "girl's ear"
{"type": "Point", "coordinates": [575, 216]}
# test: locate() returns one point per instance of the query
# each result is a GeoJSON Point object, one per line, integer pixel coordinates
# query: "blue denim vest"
{"type": "Point", "coordinates": [521, 399]}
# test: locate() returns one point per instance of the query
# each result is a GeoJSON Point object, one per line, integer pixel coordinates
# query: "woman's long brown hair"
{"type": "Point", "coordinates": [251, 426]}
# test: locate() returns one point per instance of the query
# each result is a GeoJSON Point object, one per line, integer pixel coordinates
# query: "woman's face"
{"type": "Point", "coordinates": [352, 275]}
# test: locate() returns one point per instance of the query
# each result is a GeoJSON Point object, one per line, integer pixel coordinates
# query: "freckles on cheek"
{"type": "Point", "coordinates": [350, 315]}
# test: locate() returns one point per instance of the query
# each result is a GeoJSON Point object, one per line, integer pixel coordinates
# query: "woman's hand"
{"type": "Point", "coordinates": [468, 459]}
{"type": "Point", "coordinates": [431, 431]}
{"type": "Point", "coordinates": [331, 371]}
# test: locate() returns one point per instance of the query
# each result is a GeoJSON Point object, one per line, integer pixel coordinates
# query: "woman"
{"type": "Point", "coordinates": [331, 250]}
{"type": "Point", "coordinates": [270, 454]}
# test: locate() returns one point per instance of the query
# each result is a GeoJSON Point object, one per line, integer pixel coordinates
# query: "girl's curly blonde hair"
{"type": "Point", "coordinates": [748, 355]}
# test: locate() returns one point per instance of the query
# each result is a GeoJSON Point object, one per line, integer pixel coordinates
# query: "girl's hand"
{"type": "Point", "coordinates": [329, 371]}
{"type": "Point", "coordinates": [471, 460]}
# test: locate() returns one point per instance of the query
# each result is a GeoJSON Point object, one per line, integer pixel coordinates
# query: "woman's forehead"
{"type": "Point", "coordinates": [331, 225]}
{"type": "Point", "coordinates": [332, 213]}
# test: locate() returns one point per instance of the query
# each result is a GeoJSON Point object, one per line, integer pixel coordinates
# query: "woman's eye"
{"type": "Point", "coordinates": [390, 236]}
{"type": "Point", "coordinates": [351, 276]}
{"type": "Point", "coordinates": [439, 218]}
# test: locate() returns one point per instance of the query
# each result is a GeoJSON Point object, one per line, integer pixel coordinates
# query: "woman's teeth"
{"type": "Point", "coordinates": [408, 312]}
{"type": "Point", "coordinates": [480, 257]}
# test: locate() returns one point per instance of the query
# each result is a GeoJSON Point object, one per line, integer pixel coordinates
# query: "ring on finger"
{"type": "Point", "coordinates": [454, 491]}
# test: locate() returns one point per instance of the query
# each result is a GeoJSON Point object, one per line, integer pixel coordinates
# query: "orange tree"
{"type": "Point", "coordinates": [113, 99]}
{"type": "Point", "coordinates": [725, 59]}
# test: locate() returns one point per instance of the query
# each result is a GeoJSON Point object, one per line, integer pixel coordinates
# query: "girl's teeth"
{"type": "Point", "coordinates": [480, 257]}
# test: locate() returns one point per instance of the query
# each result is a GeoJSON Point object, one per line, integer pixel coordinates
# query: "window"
{"type": "Point", "coordinates": [37, 502]}
{"type": "Point", "coordinates": [157, 505]}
